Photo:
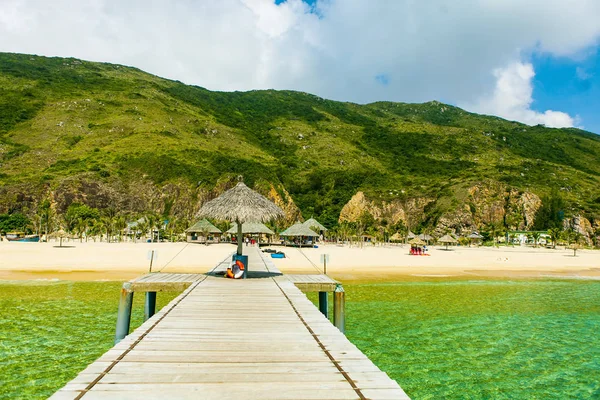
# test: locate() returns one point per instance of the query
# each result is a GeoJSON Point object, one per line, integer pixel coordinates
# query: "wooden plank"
{"type": "Point", "coordinates": [204, 346]}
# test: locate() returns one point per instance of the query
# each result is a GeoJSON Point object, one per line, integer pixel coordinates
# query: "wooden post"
{"type": "Point", "coordinates": [150, 305]}
{"type": "Point", "coordinates": [339, 308]}
{"type": "Point", "coordinates": [124, 315]}
{"type": "Point", "coordinates": [323, 306]}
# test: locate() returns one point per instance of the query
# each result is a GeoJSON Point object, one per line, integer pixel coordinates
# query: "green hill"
{"type": "Point", "coordinates": [113, 136]}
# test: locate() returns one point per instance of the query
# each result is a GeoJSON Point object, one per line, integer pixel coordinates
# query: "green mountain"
{"type": "Point", "coordinates": [113, 136]}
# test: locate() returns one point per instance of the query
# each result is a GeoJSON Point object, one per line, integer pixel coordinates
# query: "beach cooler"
{"type": "Point", "coordinates": [277, 255]}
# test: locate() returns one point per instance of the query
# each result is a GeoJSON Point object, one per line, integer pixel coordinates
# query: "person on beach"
{"type": "Point", "coordinates": [247, 241]}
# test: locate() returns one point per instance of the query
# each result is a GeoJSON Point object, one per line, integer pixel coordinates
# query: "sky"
{"type": "Point", "coordinates": [533, 61]}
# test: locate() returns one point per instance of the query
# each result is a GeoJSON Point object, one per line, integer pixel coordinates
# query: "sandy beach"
{"type": "Point", "coordinates": [122, 261]}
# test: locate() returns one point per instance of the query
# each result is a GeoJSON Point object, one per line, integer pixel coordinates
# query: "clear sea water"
{"type": "Point", "coordinates": [537, 339]}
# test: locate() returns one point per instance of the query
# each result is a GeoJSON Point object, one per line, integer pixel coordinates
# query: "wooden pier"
{"type": "Point", "coordinates": [257, 338]}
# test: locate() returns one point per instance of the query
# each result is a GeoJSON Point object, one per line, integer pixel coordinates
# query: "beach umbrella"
{"type": "Point", "coordinates": [446, 239]}
{"type": "Point", "coordinates": [396, 237]}
{"type": "Point", "coordinates": [411, 235]}
{"type": "Point", "coordinates": [241, 204]}
{"type": "Point", "coordinates": [417, 242]}
{"type": "Point", "coordinates": [59, 234]}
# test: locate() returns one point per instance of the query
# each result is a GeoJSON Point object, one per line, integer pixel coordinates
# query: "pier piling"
{"type": "Point", "coordinates": [323, 306]}
{"type": "Point", "coordinates": [124, 315]}
{"type": "Point", "coordinates": [339, 308]}
{"type": "Point", "coordinates": [149, 305]}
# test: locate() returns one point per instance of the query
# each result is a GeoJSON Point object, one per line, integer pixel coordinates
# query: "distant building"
{"type": "Point", "coordinates": [203, 232]}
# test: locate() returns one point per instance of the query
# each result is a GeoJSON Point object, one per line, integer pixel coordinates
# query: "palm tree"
{"type": "Point", "coordinates": [81, 226]}
{"type": "Point", "coordinates": [555, 234]}
{"type": "Point", "coordinates": [495, 231]}
{"type": "Point", "coordinates": [120, 224]}
{"type": "Point", "coordinates": [535, 236]}
{"type": "Point", "coordinates": [152, 222]}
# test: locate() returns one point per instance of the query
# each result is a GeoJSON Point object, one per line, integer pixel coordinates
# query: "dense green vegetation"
{"type": "Point", "coordinates": [113, 128]}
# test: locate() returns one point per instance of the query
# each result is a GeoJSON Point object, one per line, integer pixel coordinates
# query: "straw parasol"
{"type": "Point", "coordinates": [417, 242]}
{"type": "Point", "coordinates": [251, 227]}
{"type": "Point", "coordinates": [313, 223]}
{"type": "Point", "coordinates": [59, 234]}
{"type": "Point", "coordinates": [411, 235]}
{"type": "Point", "coordinates": [241, 204]}
{"type": "Point", "coordinates": [299, 229]}
{"type": "Point", "coordinates": [446, 239]}
{"type": "Point", "coordinates": [396, 237]}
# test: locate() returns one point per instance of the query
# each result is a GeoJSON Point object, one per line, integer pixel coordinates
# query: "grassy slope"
{"type": "Point", "coordinates": [64, 117]}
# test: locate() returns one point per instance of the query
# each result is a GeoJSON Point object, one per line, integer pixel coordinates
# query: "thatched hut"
{"type": "Point", "coordinates": [203, 232]}
{"type": "Point", "coordinates": [315, 225]}
{"type": "Point", "coordinates": [256, 229]}
{"type": "Point", "coordinates": [299, 232]}
{"type": "Point", "coordinates": [396, 237]}
{"type": "Point", "coordinates": [475, 238]}
{"type": "Point", "coordinates": [241, 204]}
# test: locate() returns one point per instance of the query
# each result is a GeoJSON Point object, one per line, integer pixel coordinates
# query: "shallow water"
{"type": "Point", "coordinates": [482, 339]}
{"type": "Point", "coordinates": [50, 331]}
{"type": "Point", "coordinates": [438, 339]}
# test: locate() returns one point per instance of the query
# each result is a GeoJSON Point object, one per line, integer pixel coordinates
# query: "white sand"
{"type": "Point", "coordinates": [90, 261]}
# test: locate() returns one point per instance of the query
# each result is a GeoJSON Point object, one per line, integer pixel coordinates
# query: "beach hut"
{"type": "Point", "coordinates": [241, 204]}
{"type": "Point", "coordinates": [315, 225]}
{"type": "Point", "coordinates": [252, 228]}
{"type": "Point", "coordinates": [447, 239]}
{"type": "Point", "coordinates": [300, 231]}
{"type": "Point", "coordinates": [203, 231]}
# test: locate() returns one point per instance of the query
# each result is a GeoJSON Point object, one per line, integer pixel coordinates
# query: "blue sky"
{"type": "Point", "coordinates": [569, 85]}
{"type": "Point", "coordinates": [533, 61]}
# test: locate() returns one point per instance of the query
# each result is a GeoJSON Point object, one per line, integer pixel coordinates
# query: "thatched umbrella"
{"type": "Point", "coordinates": [446, 239]}
{"type": "Point", "coordinates": [396, 237]}
{"type": "Point", "coordinates": [474, 236]}
{"type": "Point", "coordinates": [575, 246]}
{"type": "Point", "coordinates": [411, 235]}
{"type": "Point", "coordinates": [417, 242]}
{"type": "Point", "coordinates": [425, 237]}
{"type": "Point", "coordinates": [241, 204]}
{"type": "Point", "coordinates": [59, 234]}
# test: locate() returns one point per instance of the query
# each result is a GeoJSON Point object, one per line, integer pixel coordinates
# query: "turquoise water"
{"type": "Point", "coordinates": [438, 339]}
{"type": "Point", "coordinates": [482, 340]}
{"type": "Point", "coordinates": [51, 331]}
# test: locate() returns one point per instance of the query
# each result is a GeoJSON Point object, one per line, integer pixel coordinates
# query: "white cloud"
{"type": "Point", "coordinates": [512, 98]}
{"type": "Point", "coordinates": [437, 49]}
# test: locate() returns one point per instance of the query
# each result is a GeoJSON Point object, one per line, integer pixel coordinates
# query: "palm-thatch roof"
{"type": "Point", "coordinates": [299, 229]}
{"type": "Point", "coordinates": [417, 242]}
{"type": "Point", "coordinates": [251, 227]}
{"type": "Point", "coordinates": [475, 235]}
{"type": "Point", "coordinates": [447, 239]}
{"type": "Point", "coordinates": [424, 236]}
{"type": "Point", "coordinates": [241, 204]}
{"type": "Point", "coordinates": [313, 223]}
{"type": "Point", "coordinates": [411, 235]}
{"type": "Point", "coordinates": [396, 237]}
{"type": "Point", "coordinates": [58, 234]}
{"type": "Point", "coordinates": [203, 226]}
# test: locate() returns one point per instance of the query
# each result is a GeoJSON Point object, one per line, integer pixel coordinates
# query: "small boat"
{"type": "Point", "coordinates": [21, 237]}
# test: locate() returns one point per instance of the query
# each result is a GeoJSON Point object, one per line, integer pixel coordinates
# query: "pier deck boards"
{"type": "Point", "coordinates": [235, 339]}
